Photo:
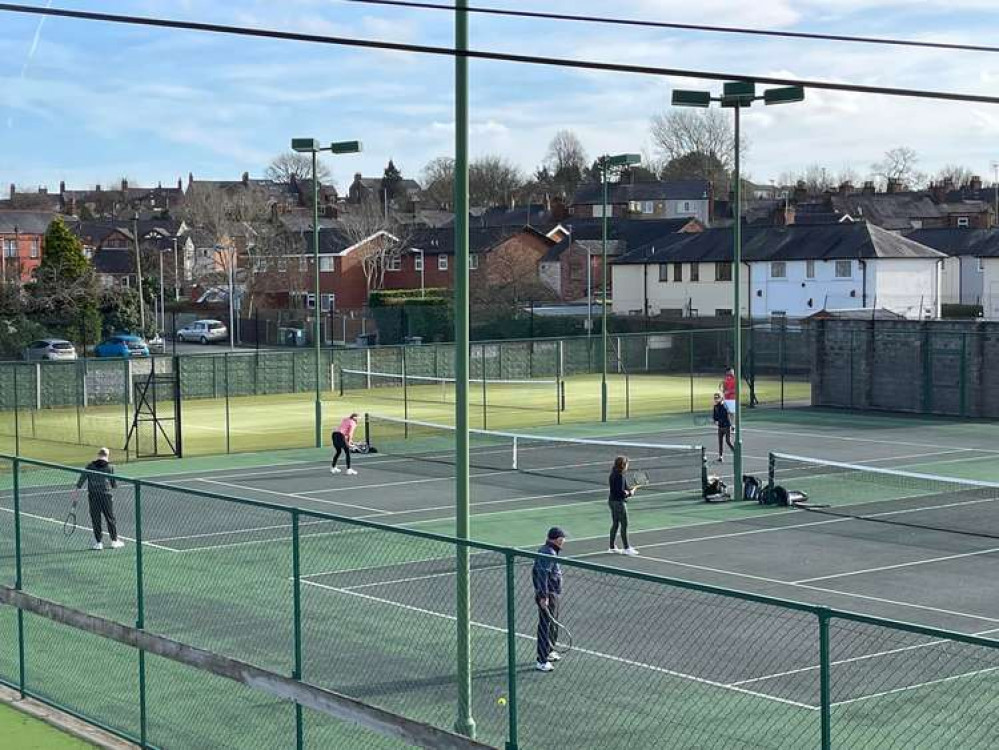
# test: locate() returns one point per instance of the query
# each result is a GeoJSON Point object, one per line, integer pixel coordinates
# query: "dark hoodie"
{"type": "Point", "coordinates": [96, 483]}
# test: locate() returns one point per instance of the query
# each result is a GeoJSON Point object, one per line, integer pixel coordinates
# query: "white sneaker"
{"type": "Point", "coordinates": [352, 472]}
{"type": "Point", "coordinates": [117, 544]}
{"type": "Point", "coordinates": [554, 656]}
{"type": "Point", "coordinates": [631, 551]}
{"type": "Point", "coordinates": [544, 666]}
{"type": "Point", "coordinates": [335, 470]}
{"type": "Point", "coordinates": [614, 550]}
{"type": "Point", "coordinates": [97, 546]}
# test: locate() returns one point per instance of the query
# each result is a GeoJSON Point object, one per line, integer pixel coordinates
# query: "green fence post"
{"type": "Point", "coordinates": [140, 613]}
{"type": "Point", "coordinates": [485, 398]}
{"type": "Point", "coordinates": [782, 343]}
{"type": "Point", "coordinates": [511, 654]}
{"type": "Point", "coordinates": [17, 415]}
{"type": "Point", "coordinates": [296, 572]}
{"type": "Point", "coordinates": [405, 389]}
{"type": "Point", "coordinates": [962, 373]}
{"type": "Point", "coordinates": [690, 357]}
{"type": "Point", "coordinates": [825, 696]}
{"type": "Point", "coordinates": [77, 368]}
{"type": "Point", "coordinates": [18, 574]}
{"type": "Point", "coordinates": [225, 369]}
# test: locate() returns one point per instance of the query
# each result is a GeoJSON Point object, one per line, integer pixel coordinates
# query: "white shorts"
{"type": "Point", "coordinates": [730, 405]}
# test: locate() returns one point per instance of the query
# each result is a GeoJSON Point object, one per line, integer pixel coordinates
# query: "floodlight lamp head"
{"type": "Point", "coordinates": [304, 145]}
{"type": "Point", "coordinates": [687, 98]}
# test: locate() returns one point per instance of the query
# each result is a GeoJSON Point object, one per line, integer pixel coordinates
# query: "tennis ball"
{"type": "Point", "coordinates": [501, 700]}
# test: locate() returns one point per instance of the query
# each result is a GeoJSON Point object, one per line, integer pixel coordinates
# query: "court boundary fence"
{"type": "Point", "coordinates": [19, 596]}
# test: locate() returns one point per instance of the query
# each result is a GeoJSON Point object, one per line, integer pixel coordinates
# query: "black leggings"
{"type": "Point", "coordinates": [101, 505]}
{"type": "Point", "coordinates": [619, 519]}
{"type": "Point", "coordinates": [340, 446]}
{"type": "Point", "coordinates": [547, 629]}
{"type": "Point", "coordinates": [724, 436]}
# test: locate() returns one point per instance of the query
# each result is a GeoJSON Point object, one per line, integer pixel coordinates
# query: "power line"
{"type": "Point", "coordinates": [557, 62]}
{"type": "Point", "coordinates": [640, 23]}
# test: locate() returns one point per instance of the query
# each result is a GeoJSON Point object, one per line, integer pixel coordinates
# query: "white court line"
{"type": "Point", "coordinates": [287, 494]}
{"type": "Point", "coordinates": [881, 441]}
{"type": "Point", "coordinates": [85, 528]}
{"type": "Point", "coordinates": [232, 532]}
{"type": "Point", "coordinates": [777, 582]}
{"type": "Point", "coordinates": [917, 686]}
{"type": "Point", "coordinates": [576, 649]}
{"type": "Point", "coordinates": [863, 657]}
{"type": "Point", "coordinates": [413, 579]}
{"type": "Point", "coordinates": [898, 566]}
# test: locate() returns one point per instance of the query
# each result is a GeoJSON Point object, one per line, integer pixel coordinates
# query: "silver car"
{"type": "Point", "coordinates": [50, 349]}
{"type": "Point", "coordinates": [204, 332]}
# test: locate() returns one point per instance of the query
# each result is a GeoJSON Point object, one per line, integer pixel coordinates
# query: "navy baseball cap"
{"type": "Point", "coordinates": [555, 532]}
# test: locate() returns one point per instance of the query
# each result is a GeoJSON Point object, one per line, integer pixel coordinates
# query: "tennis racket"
{"type": "Point", "coordinates": [69, 525]}
{"type": "Point", "coordinates": [638, 479]}
{"type": "Point", "coordinates": [563, 643]}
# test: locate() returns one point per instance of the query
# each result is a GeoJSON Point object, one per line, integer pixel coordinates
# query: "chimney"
{"type": "Point", "coordinates": [845, 187]}
{"type": "Point", "coordinates": [800, 190]}
{"type": "Point", "coordinates": [190, 178]}
{"type": "Point", "coordinates": [976, 183]}
{"type": "Point", "coordinates": [62, 187]}
{"type": "Point", "coordinates": [180, 184]}
{"type": "Point", "coordinates": [784, 215]}
{"type": "Point", "coordinates": [868, 188]}
{"type": "Point", "coordinates": [948, 183]}
{"type": "Point", "coordinates": [124, 185]}
{"type": "Point", "coordinates": [12, 191]}
{"type": "Point", "coordinates": [97, 189]}
{"type": "Point", "coordinates": [938, 191]}
{"type": "Point", "coordinates": [893, 186]}
{"type": "Point", "coordinates": [246, 178]}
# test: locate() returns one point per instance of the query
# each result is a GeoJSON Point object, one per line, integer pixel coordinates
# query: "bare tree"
{"type": "Point", "coordinates": [678, 133]}
{"type": "Point", "coordinates": [380, 241]}
{"type": "Point", "coordinates": [898, 167]}
{"type": "Point", "coordinates": [565, 163]}
{"type": "Point", "coordinates": [957, 174]}
{"type": "Point", "coordinates": [292, 164]}
{"type": "Point", "coordinates": [492, 180]}
{"type": "Point", "coordinates": [438, 179]}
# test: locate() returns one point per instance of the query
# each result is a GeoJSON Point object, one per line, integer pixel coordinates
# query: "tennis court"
{"type": "Point", "coordinates": [648, 662]}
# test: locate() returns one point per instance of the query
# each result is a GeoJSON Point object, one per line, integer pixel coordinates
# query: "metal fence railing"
{"type": "Point", "coordinates": [368, 611]}
{"type": "Point", "coordinates": [251, 400]}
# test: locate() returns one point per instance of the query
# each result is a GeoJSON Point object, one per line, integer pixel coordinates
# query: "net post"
{"type": "Point", "coordinates": [18, 571]}
{"type": "Point", "coordinates": [367, 430]}
{"type": "Point", "coordinates": [825, 691]}
{"type": "Point", "coordinates": [704, 472]}
{"type": "Point", "coordinates": [772, 469]}
{"type": "Point", "coordinates": [511, 654]}
{"type": "Point", "coordinates": [558, 399]}
{"type": "Point", "coordinates": [514, 465]}
{"type": "Point", "coordinates": [405, 383]}
{"type": "Point", "coordinates": [296, 573]}
{"type": "Point", "coordinates": [140, 612]}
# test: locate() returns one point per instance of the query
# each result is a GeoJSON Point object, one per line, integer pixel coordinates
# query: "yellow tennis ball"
{"type": "Point", "coordinates": [501, 701]}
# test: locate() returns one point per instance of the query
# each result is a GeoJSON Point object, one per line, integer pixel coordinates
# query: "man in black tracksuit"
{"type": "Point", "coordinates": [100, 484]}
{"type": "Point", "coordinates": [547, 578]}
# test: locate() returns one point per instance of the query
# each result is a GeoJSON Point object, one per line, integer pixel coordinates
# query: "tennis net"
{"type": "Point", "coordinates": [903, 498]}
{"type": "Point", "coordinates": [670, 468]}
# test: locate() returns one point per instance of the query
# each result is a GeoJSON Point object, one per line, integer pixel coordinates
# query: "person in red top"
{"type": "Point", "coordinates": [728, 390]}
{"type": "Point", "coordinates": [343, 441]}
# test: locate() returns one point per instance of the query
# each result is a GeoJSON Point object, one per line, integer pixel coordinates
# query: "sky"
{"type": "Point", "coordinates": [90, 103]}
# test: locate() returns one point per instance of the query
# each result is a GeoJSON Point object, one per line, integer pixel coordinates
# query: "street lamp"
{"type": "Point", "coordinates": [311, 146]}
{"type": "Point", "coordinates": [607, 163]}
{"type": "Point", "coordinates": [423, 265]}
{"type": "Point", "coordinates": [736, 95]}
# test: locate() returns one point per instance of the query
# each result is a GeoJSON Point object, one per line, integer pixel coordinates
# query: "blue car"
{"type": "Point", "coordinates": [122, 345]}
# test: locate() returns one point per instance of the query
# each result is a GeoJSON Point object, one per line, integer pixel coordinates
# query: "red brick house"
{"type": "Point", "coordinates": [22, 236]}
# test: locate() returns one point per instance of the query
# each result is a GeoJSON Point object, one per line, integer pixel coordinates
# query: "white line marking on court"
{"type": "Point", "coordinates": [287, 539]}
{"type": "Point", "coordinates": [288, 494]}
{"type": "Point", "coordinates": [917, 686]}
{"type": "Point", "coordinates": [898, 566]}
{"type": "Point", "coordinates": [881, 441]}
{"type": "Point", "coordinates": [232, 532]}
{"type": "Point", "coordinates": [46, 519]}
{"type": "Point", "coordinates": [778, 582]}
{"type": "Point", "coordinates": [575, 649]}
{"type": "Point", "coordinates": [413, 579]}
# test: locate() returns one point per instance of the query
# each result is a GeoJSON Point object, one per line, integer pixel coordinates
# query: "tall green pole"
{"type": "Point", "coordinates": [317, 326]}
{"type": "Point", "coordinates": [465, 724]}
{"type": "Point", "coordinates": [603, 298]}
{"type": "Point", "coordinates": [737, 312]}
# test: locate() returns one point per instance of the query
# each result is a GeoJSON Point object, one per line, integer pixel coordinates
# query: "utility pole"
{"type": "Point", "coordinates": [138, 274]}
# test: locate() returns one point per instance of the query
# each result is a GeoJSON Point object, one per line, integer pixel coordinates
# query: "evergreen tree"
{"type": "Point", "coordinates": [63, 258]}
{"type": "Point", "coordinates": [391, 187]}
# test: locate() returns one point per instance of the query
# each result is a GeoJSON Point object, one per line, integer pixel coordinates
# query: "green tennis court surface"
{"type": "Point", "coordinates": [651, 664]}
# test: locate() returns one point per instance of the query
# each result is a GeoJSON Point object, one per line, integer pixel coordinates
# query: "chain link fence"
{"type": "Point", "coordinates": [368, 611]}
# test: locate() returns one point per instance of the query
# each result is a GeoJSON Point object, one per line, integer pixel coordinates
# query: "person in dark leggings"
{"type": "Point", "coordinates": [343, 441]}
{"type": "Point", "coordinates": [100, 484]}
{"type": "Point", "coordinates": [723, 419]}
{"type": "Point", "coordinates": [618, 501]}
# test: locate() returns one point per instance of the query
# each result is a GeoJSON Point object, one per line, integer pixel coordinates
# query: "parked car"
{"type": "Point", "coordinates": [157, 344]}
{"type": "Point", "coordinates": [50, 349]}
{"type": "Point", "coordinates": [122, 345]}
{"type": "Point", "coordinates": [204, 331]}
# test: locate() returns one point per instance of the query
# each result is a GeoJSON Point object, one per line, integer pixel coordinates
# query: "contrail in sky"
{"type": "Point", "coordinates": [31, 54]}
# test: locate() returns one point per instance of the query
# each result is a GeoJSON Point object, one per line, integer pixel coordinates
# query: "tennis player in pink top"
{"type": "Point", "coordinates": [343, 441]}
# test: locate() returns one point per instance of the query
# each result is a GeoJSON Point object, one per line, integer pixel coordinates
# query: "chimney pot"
{"type": "Point", "coordinates": [246, 178]}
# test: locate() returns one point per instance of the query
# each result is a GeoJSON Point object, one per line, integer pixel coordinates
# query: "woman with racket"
{"type": "Point", "coordinates": [620, 491]}
{"type": "Point", "coordinates": [100, 483]}
{"type": "Point", "coordinates": [723, 419]}
{"type": "Point", "coordinates": [343, 442]}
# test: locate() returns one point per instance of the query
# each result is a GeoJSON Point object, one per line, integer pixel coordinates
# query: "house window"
{"type": "Point", "coordinates": [648, 207]}
{"type": "Point", "coordinates": [686, 205]}
{"type": "Point", "coordinates": [35, 248]}
{"type": "Point", "coordinates": [394, 263]}
{"type": "Point", "coordinates": [778, 270]}
{"type": "Point", "coordinates": [10, 248]}
{"type": "Point", "coordinates": [310, 302]}
{"type": "Point", "coordinates": [441, 262]}
{"type": "Point", "coordinates": [327, 302]}
{"type": "Point", "coordinates": [844, 269]}
{"type": "Point", "coordinates": [303, 263]}
{"type": "Point", "coordinates": [282, 264]}
{"type": "Point", "coordinates": [809, 269]}
{"type": "Point", "coordinates": [723, 312]}
{"type": "Point", "coordinates": [473, 262]}
{"type": "Point", "coordinates": [327, 264]}
{"type": "Point", "coordinates": [418, 262]}
{"type": "Point", "coordinates": [695, 272]}
{"type": "Point", "coordinates": [663, 272]}
{"type": "Point", "coordinates": [962, 221]}
{"type": "Point", "coordinates": [678, 272]}
{"type": "Point", "coordinates": [723, 271]}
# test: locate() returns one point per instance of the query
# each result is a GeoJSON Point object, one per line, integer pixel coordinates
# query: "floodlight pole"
{"type": "Point", "coordinates": [464, 723]}
{"type": "Point", "coordinates": [603, 296]}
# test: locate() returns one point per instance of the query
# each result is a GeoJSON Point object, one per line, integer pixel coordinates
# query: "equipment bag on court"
{"type": "Point", "coordinates": [751, 488]}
